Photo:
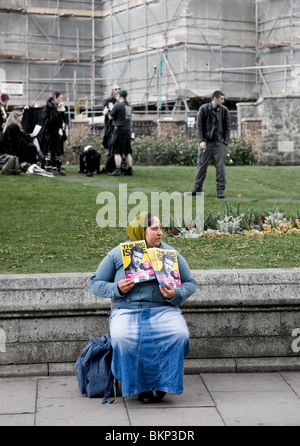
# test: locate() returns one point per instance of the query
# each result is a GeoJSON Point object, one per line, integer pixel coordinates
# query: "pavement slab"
{"type": "Point", "coordinates": [209, 399]}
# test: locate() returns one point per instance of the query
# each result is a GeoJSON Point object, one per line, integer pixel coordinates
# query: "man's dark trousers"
{"type": "Point", "coordinates": [218, 153]}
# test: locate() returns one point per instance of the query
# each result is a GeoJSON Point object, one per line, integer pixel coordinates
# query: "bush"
{"type": "Point", "coordinates": [169, 150]}
{"type": "Point", "coordinates": [84, 140]}
{"type": "Point", "coordinates": [240, 153]}
{"type": "Point", "coordinates": [183, 151]}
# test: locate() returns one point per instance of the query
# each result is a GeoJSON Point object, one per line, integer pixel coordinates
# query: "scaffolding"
{"type": "Point", "coordinates": [277, 61]}
{"type": "Point", "coordinates": [166, 53]}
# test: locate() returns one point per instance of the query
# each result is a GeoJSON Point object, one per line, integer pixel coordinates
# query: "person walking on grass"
{"type": "Point", "coordinates": [213, 125]}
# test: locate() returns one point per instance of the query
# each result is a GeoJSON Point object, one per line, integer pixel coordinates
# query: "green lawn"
{"type": "Point", "coordinates": [49, 225]}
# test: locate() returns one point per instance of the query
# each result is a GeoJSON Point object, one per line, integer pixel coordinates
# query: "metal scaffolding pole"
{"type": "Point", "coordinates": [262, 44]}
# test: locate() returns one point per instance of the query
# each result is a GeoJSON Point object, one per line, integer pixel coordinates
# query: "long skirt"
{"type": "Point", "coordinates": [149, 346]}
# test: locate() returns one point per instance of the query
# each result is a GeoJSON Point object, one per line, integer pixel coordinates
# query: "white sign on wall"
{"type": "Point", "coordinates": [191, 122]}
{"type": "Point", "coordinates": [13, 88]}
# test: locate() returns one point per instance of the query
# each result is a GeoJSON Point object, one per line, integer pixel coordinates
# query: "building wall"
{"type": "Point", "coordinates": [252, 131]}
{"type": "Point", "coordinates": [273, 125]}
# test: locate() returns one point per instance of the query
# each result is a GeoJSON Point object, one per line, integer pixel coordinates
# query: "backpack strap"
{"type": "Point", "coordinates": [105, 400]}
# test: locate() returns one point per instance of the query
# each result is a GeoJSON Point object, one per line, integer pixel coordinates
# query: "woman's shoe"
{"type": "Point", "coordinates": [145, 397]}
{"type": "Point", "coordinates": [148, 397]}
{"type": "Point", "coordinates": [160, 395]}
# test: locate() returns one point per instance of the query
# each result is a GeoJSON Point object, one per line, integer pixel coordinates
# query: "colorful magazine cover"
{"type": "Point", "coordinates": [165, 265]}
{"type": "Point", "coordinates": [136, 261]}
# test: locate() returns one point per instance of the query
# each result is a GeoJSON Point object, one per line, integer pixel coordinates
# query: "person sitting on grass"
{"type": "Point", "coordinates": [17, 142]}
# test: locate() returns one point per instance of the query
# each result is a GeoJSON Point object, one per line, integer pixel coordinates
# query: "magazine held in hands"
{"type": "Point", "coordinates": [136, 261]}
{"type": "Point", "coordinates": [165, 265]}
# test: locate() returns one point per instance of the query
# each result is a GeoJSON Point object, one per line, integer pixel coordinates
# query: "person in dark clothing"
{"type": "Point", "coordinates": [17, 142]}
{"type": "Point", "coordinates": [109, 129]}
{"type": "Point", "coordinates": [213, 124]}
{"type": "Point", "coordinates": [52, 133]}
{"type": "Point", "coordinates": [4, 98]}
{"type": "Point", "coordinates": [31, 117]}
{"type": "Point", "coordinates": [121, 114]}
{"type": "Point", "coordinates": [107, 108]}
{"type": "Point", "coordinates": [89, 161]}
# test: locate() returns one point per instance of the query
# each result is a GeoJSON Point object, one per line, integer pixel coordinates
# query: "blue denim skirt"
{"type": "Point", "coordinates": [149, 346]}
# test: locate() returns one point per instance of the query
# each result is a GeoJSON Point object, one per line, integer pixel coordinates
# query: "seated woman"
{"type": "Point", "coordinates": [18, 143]}
{"type": "Point", "coordinates": [149, 335]}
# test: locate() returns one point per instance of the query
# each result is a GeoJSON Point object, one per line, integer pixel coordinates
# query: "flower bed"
{"type": "Point", "coordinates": [234, 225]}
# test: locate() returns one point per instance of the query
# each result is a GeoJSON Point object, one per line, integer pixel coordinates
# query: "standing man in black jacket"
{"type": "Point", "coordinates": [213, 124]}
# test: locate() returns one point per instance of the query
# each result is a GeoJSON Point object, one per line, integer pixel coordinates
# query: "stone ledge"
{"type": "Point", "coordinates": [215, 288]}
{"type": "Point", "coordinates": [239, 321]}
{"type": "Point", "coordinates": [191, 367]}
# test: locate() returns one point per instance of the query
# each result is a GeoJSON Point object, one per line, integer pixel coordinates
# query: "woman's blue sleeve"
{"type": "Point", "coordinates": [187, 280]}
{"type": "Point", "coordinates": [103, 281]}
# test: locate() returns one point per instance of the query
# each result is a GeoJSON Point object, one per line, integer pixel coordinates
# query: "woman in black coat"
{"type": "Point", "coordinates": [17, 142]}
{"type": "Point", "coordinates": [52, 134]}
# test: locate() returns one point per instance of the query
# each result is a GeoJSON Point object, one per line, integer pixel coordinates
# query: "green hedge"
{"type": "Point", "coordinates": [164, 151]}
{"type": "Point", "coordinates": [182, 151]}
{"type": "Point", "coordinates": [170, 150]}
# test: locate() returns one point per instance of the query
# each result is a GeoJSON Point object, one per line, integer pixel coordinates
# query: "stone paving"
{"type": "Point", "coordinates": [220, 399]}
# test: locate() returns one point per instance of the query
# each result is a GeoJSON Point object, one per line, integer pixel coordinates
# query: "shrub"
{"type": "Point", "coordinates": [168, 150]}
{"type": "Point", "coordinates": [240, 153]}
{"type": "Point", "coordinates": [84, 140]}
{"type": "Point", "coordinates": [183, 151]}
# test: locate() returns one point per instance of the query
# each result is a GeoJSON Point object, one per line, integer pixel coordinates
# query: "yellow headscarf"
{"type": "Point", "coordinates": [136, 229]}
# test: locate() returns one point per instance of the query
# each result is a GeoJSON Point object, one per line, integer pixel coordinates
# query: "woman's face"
{"type": "Point", "coordinates": [19, 117]}
{"type": "Point", "coordinates": [58, 100]}
{"type": "Point", "coordinates": [153, 233]}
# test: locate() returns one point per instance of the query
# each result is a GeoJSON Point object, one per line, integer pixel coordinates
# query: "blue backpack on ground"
{"type": "Point", "coordinates": [93, 369]}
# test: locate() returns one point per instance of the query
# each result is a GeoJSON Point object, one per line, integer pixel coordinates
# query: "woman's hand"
{"type": "Point", "coordinates": [125, 285]}
{"type": "Point", "coordinates": [167, 291]}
